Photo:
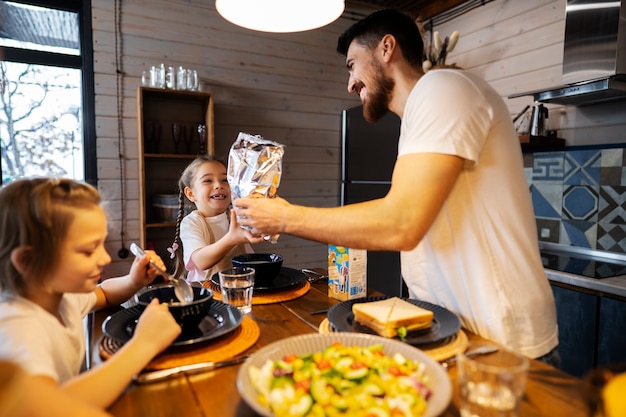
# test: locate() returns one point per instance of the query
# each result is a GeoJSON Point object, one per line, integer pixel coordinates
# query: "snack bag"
{"type": "Point", "coordinates": [255, 166]}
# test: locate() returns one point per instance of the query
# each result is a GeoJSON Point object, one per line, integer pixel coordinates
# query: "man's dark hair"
{"type": "Point", "coordinates": [369, 31]}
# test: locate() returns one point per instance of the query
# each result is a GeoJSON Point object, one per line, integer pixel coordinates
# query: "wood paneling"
{"type": "Point", "coordinates": [291, 88]}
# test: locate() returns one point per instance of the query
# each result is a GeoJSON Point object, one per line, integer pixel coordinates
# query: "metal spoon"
{"type": "Point", "coordinates": [182, 289]}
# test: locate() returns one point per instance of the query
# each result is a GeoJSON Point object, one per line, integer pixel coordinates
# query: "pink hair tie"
{"type": "Point", "coordinates": [173, 250]}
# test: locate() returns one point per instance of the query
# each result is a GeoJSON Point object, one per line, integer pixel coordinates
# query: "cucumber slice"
{"type": "Point", "coordinates": [320, 391]}
{"type": "Point", "coordinates": [356, 373]}
{"type": "Point", "coordinates": [302, 407]}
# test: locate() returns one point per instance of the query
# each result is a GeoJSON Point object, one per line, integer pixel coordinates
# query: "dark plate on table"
{"type": "Point", "coordinates": [221, 319]}
{"type": "Point", "coordinates": [445, 323]}
{"type": "Point", "coordinates": [286, 278]}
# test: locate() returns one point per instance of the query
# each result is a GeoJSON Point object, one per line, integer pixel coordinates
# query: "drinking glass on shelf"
{"type": "Point", "coordinates": [202, 138]}
{"type": "Point", "coordinates": [188, 136]}
{"type": "Point", "coordinates": [176, 135]}
{"type": "Point", "coordinates": [192, 80]}
{"type": "Point", "coordinates": [181, 79]}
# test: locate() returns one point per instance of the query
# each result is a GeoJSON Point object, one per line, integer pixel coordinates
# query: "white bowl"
{"type": "Point", "coordinates": [315, 342]}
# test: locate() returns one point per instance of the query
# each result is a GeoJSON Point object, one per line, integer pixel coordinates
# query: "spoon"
{"type": "Point", "coordinates": [182, 289]}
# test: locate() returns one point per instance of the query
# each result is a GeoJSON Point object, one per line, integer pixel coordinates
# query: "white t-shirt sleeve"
{"type": "Point", "coordinates": [192, 236]}
{"type": "Point", "coordinates": [445, 113]}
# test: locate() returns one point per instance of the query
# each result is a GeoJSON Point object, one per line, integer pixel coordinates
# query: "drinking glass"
{"type": "Point", "coordinates": [181, 79]}
{"type": "Point", "coordinates": [202, 138]}
{"type": "Point", "coordinates": [188, 137]}
{"type": "Point", "coordinates": [176, 135]}
{"type": "Point", "coordinates": [492, 385]}
{"type": "Point", "coordinates": [192, 80]}
{"type": "Point", "coordinates": [237, 285]}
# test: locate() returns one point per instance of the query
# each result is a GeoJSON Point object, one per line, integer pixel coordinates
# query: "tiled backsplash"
{"type": "Point", "coordinates": [579, 197]}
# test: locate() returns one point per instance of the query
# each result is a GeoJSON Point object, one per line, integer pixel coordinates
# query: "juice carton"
{"type": "Point", "coordinates": [347, 273]}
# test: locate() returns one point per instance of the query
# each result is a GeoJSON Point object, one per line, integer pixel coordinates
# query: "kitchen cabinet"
{"type": "Point", "coordinates": [592, 329]}
{"type": "Point", "coordinates": [612, 331]}
{"type": "Point", "coordinates": [174, 127]}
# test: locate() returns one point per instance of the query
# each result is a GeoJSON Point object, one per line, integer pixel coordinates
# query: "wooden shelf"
{"type": "Point", "coordinates": [159, 163]}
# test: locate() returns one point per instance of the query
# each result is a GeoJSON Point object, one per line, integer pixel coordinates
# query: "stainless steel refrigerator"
{"type": "Point", "coordinates": [369, 153]}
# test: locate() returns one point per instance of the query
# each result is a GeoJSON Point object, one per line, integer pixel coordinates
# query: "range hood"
{"type": "Point", "coordinates": [594, 55]}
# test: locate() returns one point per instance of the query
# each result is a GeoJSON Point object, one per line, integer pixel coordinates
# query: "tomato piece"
{"type": "Point", "coordinates": [304, 384]}
{"type": "Point", "coordinates": [323, 364]}
{"type": "Point", "coordinates": [290, 358]}
{"type": "Point", "coordinates": [395, 371]}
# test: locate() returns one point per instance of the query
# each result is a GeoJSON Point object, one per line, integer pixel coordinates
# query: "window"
{"type": "Point", "coordinates": [47, 122]}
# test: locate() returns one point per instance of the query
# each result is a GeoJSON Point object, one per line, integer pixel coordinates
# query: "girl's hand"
{"type": "Point", "coordinates": [156, 326]}
{"type": "Point", "coordinates": [141, 272]}
{"type": "Point", "coordinates": [240, 234]}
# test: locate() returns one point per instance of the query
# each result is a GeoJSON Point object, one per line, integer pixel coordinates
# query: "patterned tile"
{"type": "Point", "coordinates": [548, 230]}
{"type": "Point", "coordinates": [611, 237]}
{"type": "Point", "coordinates": [547, 200]}
{"type": "Point", "coordinates": [611, 175]}
{"type": "Point", "coordinates": [612, 157]}
{"type": "Point", "coordinates": [612, 205]}
{"type": "Point", "coordinates": [579, 197]}
{"type": "Point", "coordinates": [580, 202]}
{"type": "Point", "coordinates": [578, 233]}
{"type": "Point", "coordinates": [582, 167]}
{"type": "Point", "coordinates": [548, 167]}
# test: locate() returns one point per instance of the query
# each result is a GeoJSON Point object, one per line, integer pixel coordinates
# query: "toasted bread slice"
{"type": "Point", "coordinates": [386, 316]}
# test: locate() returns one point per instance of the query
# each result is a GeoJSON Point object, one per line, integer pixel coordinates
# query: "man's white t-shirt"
{"type": "Point", "coordinates": [480, 258]}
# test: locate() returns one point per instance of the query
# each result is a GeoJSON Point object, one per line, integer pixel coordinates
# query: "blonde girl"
{"type": "Point", "coordinates": [52, 254]}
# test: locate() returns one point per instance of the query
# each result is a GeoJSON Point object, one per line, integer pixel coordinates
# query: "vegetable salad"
{"type": "Point", "coordinates": [343, 381]}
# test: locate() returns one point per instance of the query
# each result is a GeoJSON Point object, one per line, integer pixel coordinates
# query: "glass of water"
{"type": "Point", "coordinates": [492, 385]}
{"type": "Point", "coordinates": [237, 285]}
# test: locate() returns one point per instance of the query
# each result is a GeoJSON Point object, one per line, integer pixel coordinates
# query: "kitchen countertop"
{"type": "Point", "coordinates": [613, 285]}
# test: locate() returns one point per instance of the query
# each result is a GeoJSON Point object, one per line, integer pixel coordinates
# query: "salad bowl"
{"type": "Point", "coordinates": [437, 378]}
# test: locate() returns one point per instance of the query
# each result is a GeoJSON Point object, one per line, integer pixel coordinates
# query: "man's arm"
{"type": "Point", "coordinates": [420, 185]}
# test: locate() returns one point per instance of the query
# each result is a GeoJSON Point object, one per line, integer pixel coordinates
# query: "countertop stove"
{"type": "Point", "coordinates": [582, 261]}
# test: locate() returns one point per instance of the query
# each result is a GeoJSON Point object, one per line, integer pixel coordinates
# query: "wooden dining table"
{"type": "Point", "coordinates": [549, 391]}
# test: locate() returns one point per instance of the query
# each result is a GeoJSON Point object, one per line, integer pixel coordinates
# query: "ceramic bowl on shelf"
{"type": "Point", "coordinates": [266, 265]}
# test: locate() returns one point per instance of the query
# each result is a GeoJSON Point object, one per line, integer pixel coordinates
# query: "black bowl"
{"type": "Point", "coordinates": [266, 266]}
{"type": "Point", "coordinates": [188, 315]}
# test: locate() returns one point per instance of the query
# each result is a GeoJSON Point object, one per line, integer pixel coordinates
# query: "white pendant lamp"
{"type": "Point", "coordinates": [280, 16]}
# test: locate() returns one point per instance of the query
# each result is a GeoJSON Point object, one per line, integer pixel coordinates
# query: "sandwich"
{"type": "Point", "coordinates": [392, 317]}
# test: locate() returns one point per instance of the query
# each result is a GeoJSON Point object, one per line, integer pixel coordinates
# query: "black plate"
{"type": "Point", "coordinates": [222, 319]}
{"type": "Point", "coordinates": [286, 278]}
{"type": "Point", "coordinates": [445, 323]}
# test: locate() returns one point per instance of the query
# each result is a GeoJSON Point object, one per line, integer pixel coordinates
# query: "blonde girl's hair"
{"type": "Point", "coordinates": [36, 213]}
{"type": "Point", "coordinates": [186, 180]}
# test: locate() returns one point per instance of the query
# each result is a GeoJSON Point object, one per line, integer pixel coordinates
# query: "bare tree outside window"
{"type": "Point", "coordinates": [40, 121]}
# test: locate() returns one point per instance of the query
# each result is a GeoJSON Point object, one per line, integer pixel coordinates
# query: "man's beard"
{"type": "Point", "coordinates": [377, 104]}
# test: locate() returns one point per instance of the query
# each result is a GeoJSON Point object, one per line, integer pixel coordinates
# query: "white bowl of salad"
{"type": "Point", "coordinates": [352, 374]}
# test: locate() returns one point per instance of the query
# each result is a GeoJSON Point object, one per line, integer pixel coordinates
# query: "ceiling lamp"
{"type": "Point", "coordinates": [280, 16]}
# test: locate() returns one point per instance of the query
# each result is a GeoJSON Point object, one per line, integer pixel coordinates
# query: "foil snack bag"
{"type": "Point", "coordinates": [255, 166]}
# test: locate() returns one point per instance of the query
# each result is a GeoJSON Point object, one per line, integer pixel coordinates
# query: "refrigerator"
{"type": "Point", "coordinates": [369, 153]}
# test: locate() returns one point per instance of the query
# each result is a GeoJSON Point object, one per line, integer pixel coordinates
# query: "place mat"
{"type": "Point", "coordinates": [438, 351]}
{"type": "Point", "coordinates": [266, 297]}
{"type": "Point", "coordinates": [225, 347]}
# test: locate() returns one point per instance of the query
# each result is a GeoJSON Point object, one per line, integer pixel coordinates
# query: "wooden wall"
{"type": "Point", "coordinates": [291, 88]}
